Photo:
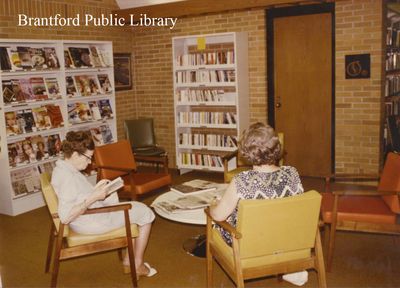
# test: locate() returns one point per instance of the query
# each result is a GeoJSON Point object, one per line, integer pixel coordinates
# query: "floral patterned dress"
{"type": "Point", "coordinates": [263, 185]}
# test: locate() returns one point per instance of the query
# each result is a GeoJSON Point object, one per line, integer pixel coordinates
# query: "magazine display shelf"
{"type": "Point", "coordinates": [25, 173]}
{"type": "Point", "coordinates": [211, 93]}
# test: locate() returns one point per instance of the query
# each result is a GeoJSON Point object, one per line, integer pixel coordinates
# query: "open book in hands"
{"type": "Point", "coordinates": [111, 186]}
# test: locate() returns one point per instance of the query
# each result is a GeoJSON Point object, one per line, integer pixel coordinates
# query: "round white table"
{"type": "Point", "coordinates": [195, 245]}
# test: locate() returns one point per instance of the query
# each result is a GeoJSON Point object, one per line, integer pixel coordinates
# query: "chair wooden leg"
{"type": "Point", "coordinates": [56, 265]}
{"type": "Point", "coordinates": [50, 248]}
{"type": "Point", "coordinates": [332, 233]}
{"type": "Point", "coordinates": [320, 261]}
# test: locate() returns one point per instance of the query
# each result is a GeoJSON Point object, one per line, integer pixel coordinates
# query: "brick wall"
{"type": "Point", "coordinates": [120, 36]}
{"type": "Point", "coordinates": [358, 102]}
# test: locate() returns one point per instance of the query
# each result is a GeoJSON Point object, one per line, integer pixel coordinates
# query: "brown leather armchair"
{"type": "Point", "coordinates": [363, 210]}
{"type": "Point", "coordinates": [116, 160]}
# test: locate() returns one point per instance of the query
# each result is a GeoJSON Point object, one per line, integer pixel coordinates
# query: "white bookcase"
{"type": "Point", "coordinates": [19, 176]}
{"type": "Point", "coordinates": [211, 95]}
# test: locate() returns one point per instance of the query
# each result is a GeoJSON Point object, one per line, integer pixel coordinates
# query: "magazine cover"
{"type": "Point", "coordinates": [95, 110]}
{"type": "Point", "coordinates": [53, 89]}
{"type": "Point", "coordinates": [25, 181]}
{"type": "Point", "coordinates": [26, 121]}
{"type": "Point", "coordinates": [37, 58]}
{"type": "Point", "coordinates": [94, 85]}
{"type": "Point", "coordinates": [39, 88]}
{"type": "Point", "coordinates": [47, 167]}
{"type": "Point", "coordinates": [26, 89]}
{"type": "Point", "coordinates": [12, 126]}
{"type": "Point", "coordinates": [42, 119]}
{"type": "Point", "coordinates": [83, 85]}
{"type": "Point", "coordinates": [25, 57]}
{"type": "Point", "coordinates": [80, 57]}
{"type": "Point", "coordinates": [106, 134]}
{"type": "Point", "coordinates": [51, 58]}
{"type": "Point", "coordinates": [8, 93]}
{"type": "Point", "coordinates": [105, 83]}
{"type": "Point", "coordinates": [83, 111]}
{"type": "Point", "coordinates": [105, 109]}
{"type": "Point", "coordinates": [53, 144]}
{"type": "Point", "coordinates": [19, 95]}
{"type": "Point", "coordinates": [95, 57]}
{"type": "Point", "coordinates": [55, 115]}
{"type": "Point", "coordinates": [5, 63]}
{"type": "Point", "coordinates": [13, 158]}
{"type": "Point", "coordinates": [39, 146]}
{"type": "Point", "coordinates": [71, 87]}
{"type": "Point", "coordinates": [14, 59]}
{"type": "Point", "coordinates": [68, 63]}
{"type": "Point", "coordinates": [97, 136]}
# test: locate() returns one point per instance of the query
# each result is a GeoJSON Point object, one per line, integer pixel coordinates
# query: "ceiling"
{"type": "Point", "coordinates": [124, 4]}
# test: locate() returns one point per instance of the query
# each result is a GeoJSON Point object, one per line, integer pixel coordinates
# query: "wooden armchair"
{"type": "Point", "coordinates": [69, 244]}
{"type": "Point", "coordinates": [234, 163]}
{"type": "Point", "coordinates": [286, 241]}
{"type": "Point", "coordinates": [116, 160]}
{"type": "Point", "coordinates": [364, 210]}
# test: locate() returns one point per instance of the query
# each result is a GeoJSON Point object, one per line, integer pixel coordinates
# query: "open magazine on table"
{"type": "Point", "coordinates": [196, 185]}
{"type": "Point", "coordinates": [190, 201]}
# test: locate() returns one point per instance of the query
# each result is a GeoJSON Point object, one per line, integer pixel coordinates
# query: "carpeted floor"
{"type": "Point", "coordinates": [361, 260]}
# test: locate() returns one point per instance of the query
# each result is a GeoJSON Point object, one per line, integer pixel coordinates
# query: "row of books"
{"type": "Point", "coordinates": [392, 37]}
{"type": "Point", "coordinates": [206, 160]}
{"type": "Point", "coordinates": [33, 119]}
{"type": "Point", "coordinates": [90, 56]}
{"type": "Point", "coordinates": [392, 85]}
{"type": "Point", "coordinates": [30, 89]}
{"type": "Point", "coordinates": [80, 112]}
{"type": "Point", "coordinates": [88, 85]}
{"type": "Point", "coordinates": [33, 149]}
{"type": "Point", "coordinates": [203, 95]}
{"type": "Point", "coordinates": [212, 140]}
{"type": "Point", "coordinates": [26, 181]}
{"type": "Point", "coordinates": [206, 118]}
{"type": "Point", "coordinates": [206, 58]}
{"type": "Point", "coordinates": [205, 76]}
{"type": "Point", "coordinates": [28, 58]}
{"type": "Point", "coordinates": [392, 108]}
{"type": "Point", "coordinates": [392, 61]}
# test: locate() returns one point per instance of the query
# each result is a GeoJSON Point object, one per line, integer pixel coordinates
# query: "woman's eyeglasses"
{"type": "Point", "coordinates": [87, 157]}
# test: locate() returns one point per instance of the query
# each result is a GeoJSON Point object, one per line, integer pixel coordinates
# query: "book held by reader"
{"type": "Point", "coordinates": [114, 185]}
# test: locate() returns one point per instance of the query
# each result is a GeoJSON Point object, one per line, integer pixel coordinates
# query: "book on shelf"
{"type": "Point", "coordinates": [80, 56]}
{"type": "Point", "coordinates": [25, 181]}
{"type": "Point", "coordinates": [52, 87]}
{"type": "Point", "coordinates": [71, 86]}
{"type": "Point", "coordinates": [393, 124]}
{"type": "Point", "coordinates": [5, 63]}
{"type": "Point", "coordinates": [95, 58]}
{"type": "Point", "coordinates": [105, 109]}
{"type": "Point", "coordinates": [51, 58]}
{"type": "Point", "coordinates": [196, 185]}
{"type": "Point", "coordinates": [55, 115]}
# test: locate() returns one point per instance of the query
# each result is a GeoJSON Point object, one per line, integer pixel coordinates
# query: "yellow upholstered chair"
{"type": "Point", "coordinates": [69, 244]}
{"type": "Point", "coordinates": [364, 210]}
{"type": "Point", "coordinates": [234, 163]}
{"type": "Point", "coordinates": [285, 240]}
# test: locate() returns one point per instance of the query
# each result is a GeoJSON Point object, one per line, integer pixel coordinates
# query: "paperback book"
{"type": "Point", "coordinates": [71, 87]}
{"type": "Point", "coordinates": [5, 63]}
{"type": "Point", "coordinates": [55, 115]}
{"type": "Point", "coordinates": [52, 87]}
{"type": "Point", "coordinates": [105, 109]}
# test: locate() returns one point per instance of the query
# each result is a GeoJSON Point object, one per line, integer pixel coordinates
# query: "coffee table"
{"type": "Point", "coordinates": [194, 246]}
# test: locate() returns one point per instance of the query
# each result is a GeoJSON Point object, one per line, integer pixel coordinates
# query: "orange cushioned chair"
{"type": "Point", "coordinates": [365, 211]}
{"type": "Point", "coordinates": [116, 159]}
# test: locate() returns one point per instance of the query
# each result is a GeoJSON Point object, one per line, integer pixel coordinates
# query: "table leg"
{"type": "Point", "coordinates": [196, 246]}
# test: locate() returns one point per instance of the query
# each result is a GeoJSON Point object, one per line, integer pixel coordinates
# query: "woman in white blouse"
{"type": "Point", "coordinates": [76, 194]}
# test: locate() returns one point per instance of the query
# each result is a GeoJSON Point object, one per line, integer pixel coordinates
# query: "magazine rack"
{"type": "Point", "coordinates": [49, 87]}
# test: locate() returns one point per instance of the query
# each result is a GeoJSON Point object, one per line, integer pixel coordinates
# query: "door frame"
{"type": "Point", "coordinates": [273, 13]}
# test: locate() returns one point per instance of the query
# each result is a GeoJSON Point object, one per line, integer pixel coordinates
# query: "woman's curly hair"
{"type": "Point", "coordinates": [79, 141]}
{"type": "Point", "coordinates": [260, 145]}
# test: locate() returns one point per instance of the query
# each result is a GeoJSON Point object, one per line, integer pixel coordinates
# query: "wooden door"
{"type": "Point", "coordinates": [302, 92]}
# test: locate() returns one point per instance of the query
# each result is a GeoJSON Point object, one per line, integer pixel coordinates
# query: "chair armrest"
{"type": "Point", "coordinates": [228, 227]}
{"type": "Point", "coordinates": [364, 193]}
{"type": "Point", "coordinates": [230, 155]}
{"type": "Point", "coordinates": [119, 207]}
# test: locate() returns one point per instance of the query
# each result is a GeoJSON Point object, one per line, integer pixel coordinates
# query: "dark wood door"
{"type": "Point", "coordinates": [302, 90]}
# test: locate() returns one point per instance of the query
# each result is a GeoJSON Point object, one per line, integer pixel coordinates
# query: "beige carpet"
{"type": "Point", "coordinates": [361, 260]}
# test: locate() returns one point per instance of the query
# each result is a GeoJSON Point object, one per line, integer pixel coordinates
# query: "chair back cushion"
{"type": "Point", "coordinates": [278, 227]}
{"type": "Point", "coordinates": [140, 132]}
{"type": "Point", "coordinates": [390, 181]}
{"type": "Point", "coordinates": [51, 199]}
{"type": "Point", "coordinates": [118, 154]}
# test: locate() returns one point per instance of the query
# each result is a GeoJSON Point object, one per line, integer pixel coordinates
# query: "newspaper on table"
{"type": "Point", "coordinates": [191, 201]}
{"type": "Point", "coordinates": [196, 185]}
